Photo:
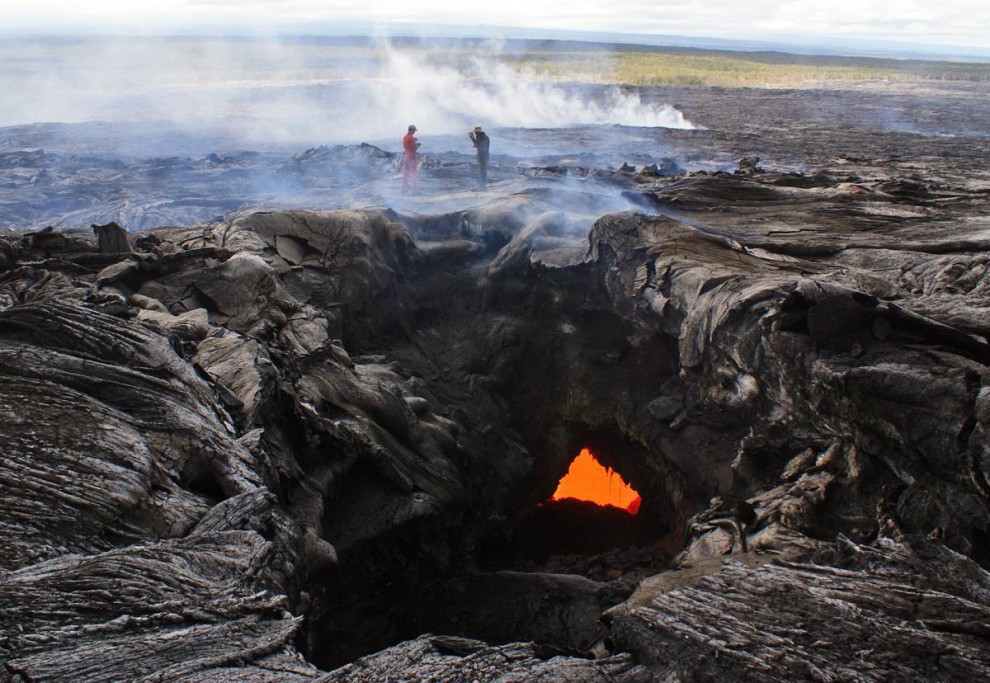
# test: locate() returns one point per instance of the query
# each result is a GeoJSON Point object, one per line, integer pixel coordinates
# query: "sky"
{"type": "Point", "coordinates": [947, 22]}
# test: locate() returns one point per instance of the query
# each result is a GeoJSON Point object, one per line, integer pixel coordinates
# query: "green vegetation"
{"type": "Point", "coordinates": [683, 67]}
{"type": "Point", "coordinates": [728, 70]}
{"type": "Point", "coordinates": [312, 59]}
{"type": "Point", "coordinates": [638, 65]}
{"type": "Point", "coordinates": [331, 58]}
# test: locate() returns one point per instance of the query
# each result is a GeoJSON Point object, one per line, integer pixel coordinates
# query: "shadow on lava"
{"type": "Point", "coordinates": [572, 536]}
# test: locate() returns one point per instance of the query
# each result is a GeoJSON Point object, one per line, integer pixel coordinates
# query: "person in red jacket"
{"type": "Point", "coordinates": [410, 146]}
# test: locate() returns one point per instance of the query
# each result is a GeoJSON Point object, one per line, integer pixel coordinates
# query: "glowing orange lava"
{"type": "Point", "coordinates": [586, 479]}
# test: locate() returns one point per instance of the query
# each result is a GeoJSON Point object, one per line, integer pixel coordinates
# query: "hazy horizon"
{"type": "Point", "coordinates": [808, 44]}
{"type": "Point", "coordinates": [952, 27]}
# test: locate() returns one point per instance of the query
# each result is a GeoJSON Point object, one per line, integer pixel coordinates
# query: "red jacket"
{"type": "Point", "coordinates": [409, 144]}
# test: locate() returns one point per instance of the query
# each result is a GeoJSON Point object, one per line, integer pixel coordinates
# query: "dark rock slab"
{"type": "Point", "coordinates": [445, 658]}
{"type": "Point", "coordinates": [182, 609]}
{"type": "Point", "coordinates": [760, 619]}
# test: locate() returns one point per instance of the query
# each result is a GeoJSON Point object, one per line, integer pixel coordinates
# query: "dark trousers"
{"type": "Point", "coordinates": [483, 170]}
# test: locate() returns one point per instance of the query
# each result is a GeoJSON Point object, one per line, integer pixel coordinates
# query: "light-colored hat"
{"type": "Point", "coordinates": [412, 128]}
{"type": "Point", "coordinates": [477, 129]}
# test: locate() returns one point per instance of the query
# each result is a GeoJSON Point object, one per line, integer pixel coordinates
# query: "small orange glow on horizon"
{"type": "Point", "coordinates": [587, 479]}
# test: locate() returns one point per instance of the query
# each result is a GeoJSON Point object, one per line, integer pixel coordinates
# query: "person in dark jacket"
{"type": "Point", "coordinates": [481, 142]}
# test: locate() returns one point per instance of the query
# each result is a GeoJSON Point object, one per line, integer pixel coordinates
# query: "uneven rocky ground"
{"type": "Point", "coordinates": [307, 443]}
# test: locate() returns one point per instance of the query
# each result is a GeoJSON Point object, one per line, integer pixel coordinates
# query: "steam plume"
{"type": "Point", "coordinates": [299, 92]}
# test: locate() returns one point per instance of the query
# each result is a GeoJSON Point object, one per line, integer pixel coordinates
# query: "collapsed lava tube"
{"type": "Point", "coordinates": [588, 480]}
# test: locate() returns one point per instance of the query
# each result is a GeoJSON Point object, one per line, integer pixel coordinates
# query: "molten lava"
{"type": "Point", "coordinates": [586, 479]}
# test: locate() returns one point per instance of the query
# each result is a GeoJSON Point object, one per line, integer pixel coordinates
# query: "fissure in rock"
{"type": "Point", "coordinates": [588, 480]}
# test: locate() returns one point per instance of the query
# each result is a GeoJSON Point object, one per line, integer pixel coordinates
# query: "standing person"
{"type": "Point", "coordinates": [481, 142]}
{"type": "Point", "coordinates": [410, 147]}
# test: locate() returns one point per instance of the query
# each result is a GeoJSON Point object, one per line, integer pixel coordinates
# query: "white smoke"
{"type": "Point", "coordinates": [259, 91]}
{"type": "Point", "coordinates": [446, 97]}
